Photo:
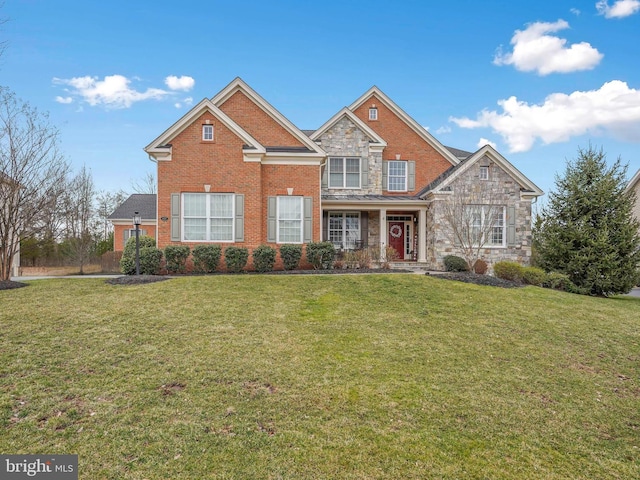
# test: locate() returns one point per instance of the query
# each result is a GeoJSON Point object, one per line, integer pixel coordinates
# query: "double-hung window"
{"type": "Point", "coordinates": [344, 172]}
{"type": "Point", "coordinates": [397, 176]}
{"type": "Point", "coordinates": [344, 229]}
{"type": "Point", "coordinates": [290, 219]}
{"type": "Point", "coordinates": [207, 133]}
{"type": "Point", "coordinates": [208, 217]}
{"type": "Point", "coordinates": [486, 225]}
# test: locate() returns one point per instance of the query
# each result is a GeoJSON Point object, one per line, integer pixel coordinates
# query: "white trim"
{"type": "Point", "coordinates": [207, 217]}
{"type": "Point", "coordinates": [206, 134]}
{"type": "Point", "coordinates": [422, 132]}
{"type": "Point", "coordinates": [378, 141]}
{"type": "Point", "coordinates": [344, 173]}
{"type": "Point", "coordinates": [483, 173]}
{"type": "Point", "coordinates": [301, 200]}
{"type": "Point", "coordinates": [406, 175]}
{"type": "Point", "coordinates": [531, 188]}
{"type": "Point", "coordinates": [373, 114]}
{"type": "Point", "coordinates": [240, 85]}
{"type": "Point", "coordinates": [159, 151]}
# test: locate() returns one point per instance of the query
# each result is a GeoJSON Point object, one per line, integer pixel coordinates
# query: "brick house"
{"type": "Point", "coordinates": [122, 218]}
{"type": "Point", "coordinates": [235, 171]}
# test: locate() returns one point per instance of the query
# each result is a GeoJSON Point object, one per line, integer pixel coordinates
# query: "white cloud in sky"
{"type": "Point", "coordinates": [619, 9]}
{"type": "Point", "coordinates": [64, 100]}
{"type": "Point", "coordinates": [114, 91]}
{"type": "Point", "coordinates": [575, 11]}
{"type": "Point", "coordinates": [444, 129]}
{"type": "Point", "coordinates": [483, 141]}
{"type": "Point", "coordinates": [534, 49]}
{"type": "Point", "coordinates": [183, 83]}
{"type": "Point", "coordinates": [188, 101]}
{"type": "Point", "coordinates": [613, 108]}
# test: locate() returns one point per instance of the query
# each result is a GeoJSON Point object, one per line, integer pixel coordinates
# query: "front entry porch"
{"type": "Point", "coordinates": [404, 231]}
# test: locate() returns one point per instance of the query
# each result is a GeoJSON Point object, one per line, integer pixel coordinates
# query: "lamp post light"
{"type": "Point", "coordinates": [137, 221]}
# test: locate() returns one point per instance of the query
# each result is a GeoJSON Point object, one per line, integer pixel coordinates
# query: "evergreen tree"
{"type": "Point", "coordinates": [587, 230]}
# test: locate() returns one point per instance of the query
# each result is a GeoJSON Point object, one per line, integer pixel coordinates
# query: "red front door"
{"type": "Point", "coordinates": [396, 238]}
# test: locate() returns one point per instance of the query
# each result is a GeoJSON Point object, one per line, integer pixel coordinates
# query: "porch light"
{"type": "Point", "coordinates": [137, 221]}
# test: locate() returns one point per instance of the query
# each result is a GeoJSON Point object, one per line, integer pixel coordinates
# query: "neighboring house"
{"type": "Point", "coordinates": [9, 236]}
{"type": "Point", "coordinates": [634, 184]}
{"type": "Point", "coordinates": [235, 171]}
{"type": "Point", "coordinates": [122, 218]}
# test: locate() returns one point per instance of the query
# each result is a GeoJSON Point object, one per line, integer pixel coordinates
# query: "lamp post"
{"type": "Point", "coordinates": [137, 221]}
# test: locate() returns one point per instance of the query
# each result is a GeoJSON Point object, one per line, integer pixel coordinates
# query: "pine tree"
{"type": "Point", "coordinates": [588, 230]}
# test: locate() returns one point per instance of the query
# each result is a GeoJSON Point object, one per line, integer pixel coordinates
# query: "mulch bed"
{"type": "Point", "coordinates": [469, 277]}
{"type": "Point", "coordinates": [136, 279]}
{"type": "Point", "coordinates": [8, 285]}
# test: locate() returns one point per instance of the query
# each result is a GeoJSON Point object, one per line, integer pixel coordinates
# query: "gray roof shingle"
{"type": "Point", "coordinates": [144, 203]}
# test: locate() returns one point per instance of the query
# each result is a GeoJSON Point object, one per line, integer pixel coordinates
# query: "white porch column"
{"type": "Point", "coordinates": [422, 235]}
{"type": "Point", "coordinates": [383, 234]}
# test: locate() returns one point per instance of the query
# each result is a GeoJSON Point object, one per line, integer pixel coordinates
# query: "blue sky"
{"type": "Point", "coordinates": [536, 79]}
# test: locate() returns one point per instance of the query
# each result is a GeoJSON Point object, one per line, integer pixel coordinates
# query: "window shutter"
{"type": "Point", "coordinates": [364, 228]}
{"type": "Point", "coordinates": [325, 226]}
{"type": "Point", "coordinates": [307, 230]}
{"type": "Point", "coordinates": [175, 217]}
{"type": "Point", "coordinates": [239, 218]}
{"type": "Point", "coordinates": [325, 175]}
{"type": "Point", "coordinates": [364, 172]}
{"type": "Point", "coordinates": [511, 226]}
{"type": "Point", "coordinates": [411, 175]}
{"type": "Point", "coordinates": [272, 222]}
{"type": "Point", "coordinates": [385, 175]}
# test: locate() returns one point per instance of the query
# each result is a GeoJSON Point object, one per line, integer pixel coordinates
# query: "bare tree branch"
{"type": "Point", "coordinates": [146, 185]}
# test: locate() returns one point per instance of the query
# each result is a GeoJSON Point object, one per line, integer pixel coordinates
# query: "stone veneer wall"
{"type": "Point", "coordinates": [345, 139]}
{"type": "Point", "coordinates": [504, 190]}
{"type": "Point", "coordinates": [636, 208]}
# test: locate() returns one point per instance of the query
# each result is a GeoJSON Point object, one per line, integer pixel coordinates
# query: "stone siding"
{"type": "Point", "coordinates": [500, 189]}
{"type": "Point", "coordinates": [345, 139]}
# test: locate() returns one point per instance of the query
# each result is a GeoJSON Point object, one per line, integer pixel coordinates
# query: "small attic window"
{"type": "Point", "coordinates": [207, 133]}
{"type": "Point", "coordinates": [373, 113]}
{"type": "Point", "coordinates": [484, 173]}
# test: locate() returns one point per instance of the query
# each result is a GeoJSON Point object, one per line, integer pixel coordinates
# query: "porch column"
{"type": "Point", "coordinates": [383, 233]}
{"type": "Point", "coordinates": [422, 235]}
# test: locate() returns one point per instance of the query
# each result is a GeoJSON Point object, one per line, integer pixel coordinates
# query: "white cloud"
{"type": "Point", "coordinates": [188, 101]}
{"type": "Point", "coordinates": [65, 100]}
{"type": "Point", "coordinates": [613, 108]}
{"type": "Point", "coordinates": [483, 141]}
{"type": "Point", "coordinates": [575, 11]}
{"type": "Point", "coordinates": [114, 91]}
{"type": "Point", "coordinates": [535, 50]}
{"type": "Point", "coordinates": [619, 9]}
{"type": "Point", "coordinates": [183, 83]}
{"type": "Point", "coordinates": [444, 129]}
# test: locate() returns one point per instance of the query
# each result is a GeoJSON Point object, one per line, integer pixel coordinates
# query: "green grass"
{"type": "Point", "coordinates": [364, 376]}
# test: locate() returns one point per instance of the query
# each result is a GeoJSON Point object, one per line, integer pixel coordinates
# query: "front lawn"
{"type": "Point", "coordinates": [362, 376]}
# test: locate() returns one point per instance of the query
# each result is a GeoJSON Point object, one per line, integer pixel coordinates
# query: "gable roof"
{"type": "Point", "coordinates": [452, 173]}
{"type": "Point", "coordinates": [160, 148]}
{"type": "Point", "coordinates": [634, 180]}
{"type": "Point", "coordinates": [417, 128]}
{"type": "Point", "coordinates": [143, 203]}
{"type": "Point", "coordinates": [345, 112]}
{"type": "Point", "coordinates": [239, 85]}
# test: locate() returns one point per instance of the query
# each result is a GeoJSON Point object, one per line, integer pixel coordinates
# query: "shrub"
{"type": "Point", "coordinates": [236, 258]}
{"type": "Point", "coordinates": [533, 276]}
{"type": "Point", "coordinates": [176, 258]}
{"type": "Point", "coordinates": [320, 254]}
{"type": "Point", "coordinates": [206, 258]}
{"type": "Point", "coordinates": [264, 258]}
{"type": "Point", "coordinates": [150, 259]}
{"type": "Point", "coordinates": [391, 255]}
{"type": "Point", "coordinates": [562, 282]}
{"type": "Point", "coordinates": [508, 271]}
{"type": "Point", "coordinates": [128, 260]}
{"type": "Point", "coordinates": [363, 258]}
{"type": "Point", "coordinates": [480, 267]}
{"type": "Point", "coordinates": [453, 263]}
{"type": "Point", "coordinates": [291, 255]}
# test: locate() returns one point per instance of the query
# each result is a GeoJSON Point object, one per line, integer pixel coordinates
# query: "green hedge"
{"type": "Point", "coordinates": [291, 255]}
{"type": "Point", "coordinates": [206, 258]}
{"type": "Point", "coordinates": [264, 258]}
{"type": "Point", "coordinates": [176, 258]}
{"type": "Point", "coordinates": [508, 271]}
{"type": "Point", "coordinates": [453, 263]}
{"type": "Point", "coordinates": [128, 260]}
{"type": "Point", "coordinates": [320, 254]}
{"type": "Point", "coordinates": [236, 258]}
